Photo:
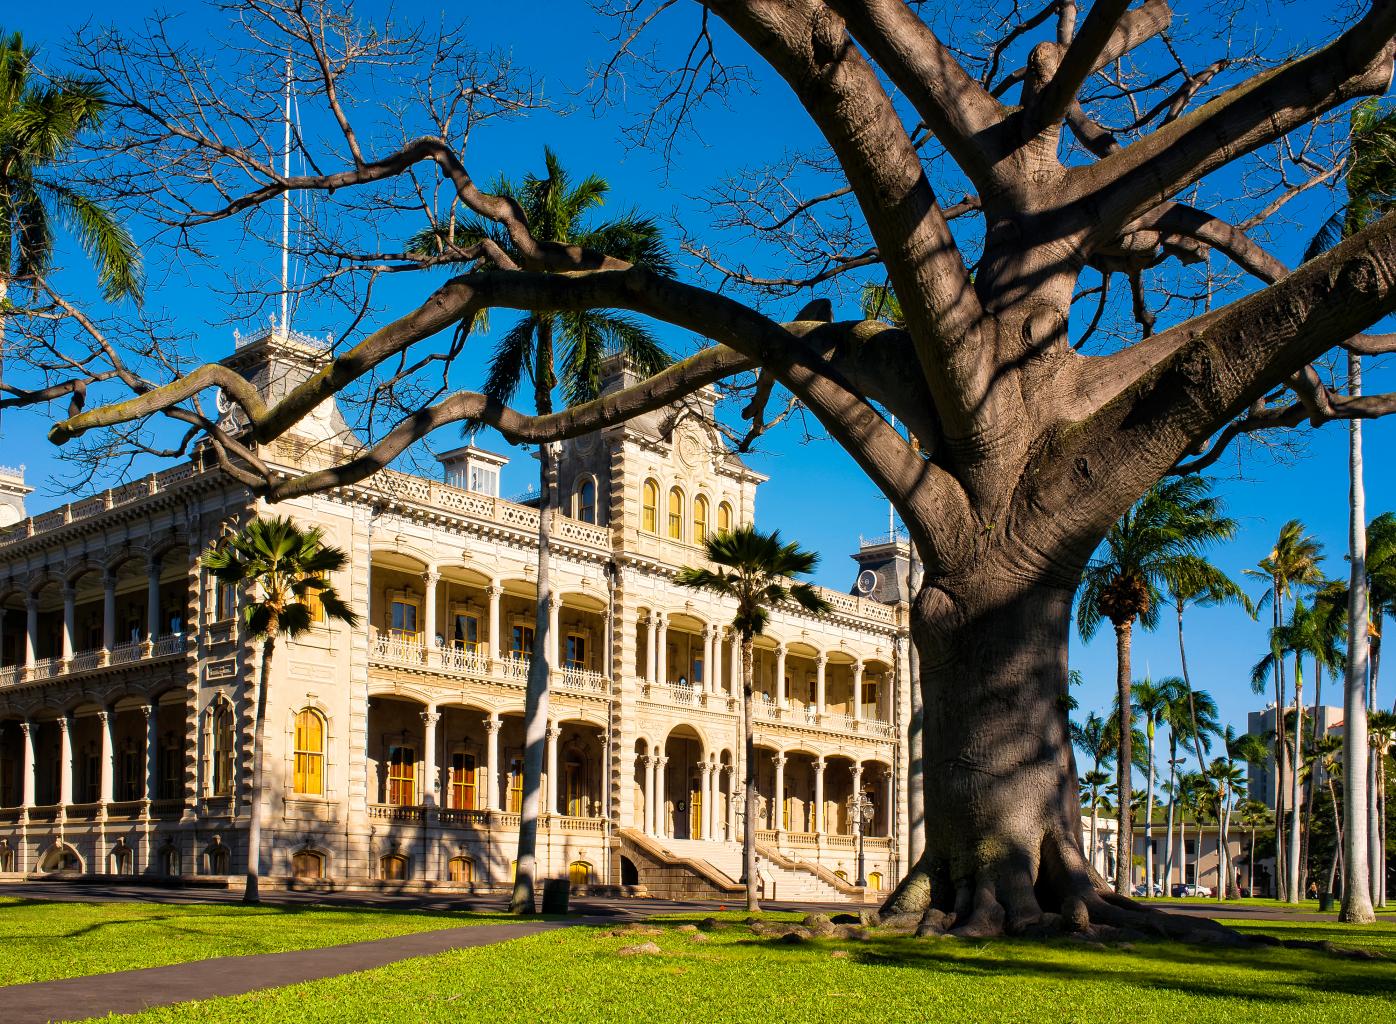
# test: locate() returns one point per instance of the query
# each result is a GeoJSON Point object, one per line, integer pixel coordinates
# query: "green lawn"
{"type": "Point", "coordinates": [43, 941]}
{"type": "Point", "coordinates": [576, 974]}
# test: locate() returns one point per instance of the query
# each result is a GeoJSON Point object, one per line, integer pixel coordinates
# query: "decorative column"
{"type": "Point", "coordinates": [31, 631]}
{"type": "Point", "coordinates": [69, 623]}
{"type": "Point", "coordinates": [778, 794]}
{"type": "Point", "coordinates": [890, 782]}
{"type": "Point", "coordinates": [108, 612]}
{"type": "Point", "coordinates": [661, 649]}
{"type": "Point", "coordinates": [554, 641]}
{"type": "Point", "coordinates": [429, 582]}
{"type": "Point", "coordinates": [780, 676]}
{"type": "Point", "coordinates": [819, 796]}
{"type": "Point", "coordinates": [431, 796]}
{"type": "Point", "coordinates": [152, 749]}
{"type": "Point", "coordinates": [733, 800]}
{"type": "Point", "coordinates": [857, 780]}
{"type": "Point", "coordinates": [492, 727]}
{"type": "Point", "coordinates": [703, 773]}
{"type": "Point", "coordinates": [26, 767]}
{"type": "Point", "coordinates": [858, 691]}
{"type": "Point", "coordinates": [719, 641]}
{"type": "Point", "coordinates": [710, 819]}
{"type": "Point", "coordinates": [552, 735]}
{"type": "Point", "coordinates": [106, 764]}
{"type": "Point", "coordinates": [496, 644]}
{"type": "Point", "coordinates": [650, 762]}
{"type": "Point", "coordinates": [709, 643]}
{"type": "Point", "coordinates": [651, 627]}
{"type": "Point", "coordinates": [738, 669]}
{"type": "Point", "coordinates": [152, 602]}
{"type": "Point", "coordinates": [821, 660]}
{"type": "Point", "coordinates": [65, 761]}
{"type": "Point", "coordinates": [661, 783]}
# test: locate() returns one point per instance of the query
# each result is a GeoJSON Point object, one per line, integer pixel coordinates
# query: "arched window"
{"type": "Point", "coordinates": [724, 518]}
{"type": "Point", "coordinates": [875, 880]}
{"type": "Point", "coordinates": [574, 788]}
{"type": "Point", "coordinates": [218, 860]}
{"type": "Point", "coordinates": [171, 862]}
{"type": "Point", "coordinates": [649, 507]}
{"type": "Point", "coordinates": [586, 501]}
{"type": "Point", "coordinates": [579, 873]}
{"type": "Point", "coordinates": [122, 860]}
{"type": "Point", "coordinates": [460, 869]}
{"type": "Point", "coordinates": [675, 513]}
{"type": "Point", "coordinates": [402, 776]}
{"type": "Point", "coordinates": [393, 868]}
{"type": "Point", "coordinates": [700, 519]}
{"type": "Point", "coordinates": [308, 864]}
{"type": "Point", "coordinates": [224, 758]}
{"type": "Point", "coordinates": [310, 753]}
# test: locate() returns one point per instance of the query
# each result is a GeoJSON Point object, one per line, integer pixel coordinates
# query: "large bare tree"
{"type": "Point", "coordinates": [1091, 143]}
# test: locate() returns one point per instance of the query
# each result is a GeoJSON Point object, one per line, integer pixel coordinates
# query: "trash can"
{"type": "Point", "coordinates": [1325, 902]}
{"type": "Point", "coordinates": [555, 892]}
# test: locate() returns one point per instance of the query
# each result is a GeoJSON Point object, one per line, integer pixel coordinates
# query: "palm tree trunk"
{"type": "Point", "coordinates": [1149, 822]}
{"type": "Point", "coordinates": [1250, 866]}
{"type": "Point", "coordinates": [1339, 861]}
{"type": "Point", "coordinates": [1124, 860]}
{"type": "Point", "coordinates": [1357, 889]}
{"type": "Point", "coordinates": [749, 745]}
{"type": "Point", "coordinates": [1295, 823]}
{"type": "Point", "coordinates": [1281, 753]}
{"type": "Point", "coordinates": [1309, 786]}
{"type": "Point", "coordinates": [252, 894]}
{"type": "Point", "coordinates": [1172, 804]}
{"type": "Point", "coordinates": [1095, 823]}
{"type": "Point", "coordinates": [1375, 861]}
{"type": "Point", "coordinates": [536, 702]}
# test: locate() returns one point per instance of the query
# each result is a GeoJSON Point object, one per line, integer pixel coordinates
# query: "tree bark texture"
{"type": "Point", "coordinates": [753, 883]}
{"type": "Point", "coordinates": [1124, 768]}
{"type": "Point", "coordinates": [255, 801]}
{"type": "Point", "coordinates": [1296, 821]}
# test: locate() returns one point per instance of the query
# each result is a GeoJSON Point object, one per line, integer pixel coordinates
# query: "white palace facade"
{"type": "Point", "coordinates": [394, 748]}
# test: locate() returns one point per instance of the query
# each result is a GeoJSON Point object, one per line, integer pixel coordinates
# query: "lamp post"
{"type": "Point", "coordinates": [860, 809]}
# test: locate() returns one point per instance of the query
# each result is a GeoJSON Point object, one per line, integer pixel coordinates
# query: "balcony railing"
{"type": "Point", "coordinates": [583, 680]}
{"type": "Point", "coordinates": [130, 651]}
{"type": "Point", "coordinates": [89, 661]}
{"type": "Point", "coordinates": [164, 646]}
{"type": "Point", "coordinates": [45, 668]}
{"type": "Point", "coordinates": [86, 661]}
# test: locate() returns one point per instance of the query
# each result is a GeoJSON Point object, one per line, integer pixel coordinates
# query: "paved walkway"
{"type": "Point", "coordinates": [133, 991]}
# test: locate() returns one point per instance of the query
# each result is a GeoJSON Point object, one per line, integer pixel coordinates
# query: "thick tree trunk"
{"type": "Point", "coordinates": [916, 757]}
{"type": "Point", "coordinates": [1281, 753]}
{"type": "Point", "coordinates": [1250, 867]}
{"type": "Point", "coordinates": [536, 700]}
{"type": "Point", "coordinates": [1172, 804]}
{"type": "Point", "coordinates": [1357, 890]}
{"type": "Point", "coordinates": [1306, 836]}
{"type": "Point", "coordinates": [252, 893]}
{"type": "Point", "coordinates": [1124, 768]}
{"type": "Point", "coordinates": [1149, 822]}
{"type": "Point", "coordinates": [753, 884]}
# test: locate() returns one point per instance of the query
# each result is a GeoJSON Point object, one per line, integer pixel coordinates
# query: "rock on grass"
{"type": "Point", "coordinates": [643, 949]}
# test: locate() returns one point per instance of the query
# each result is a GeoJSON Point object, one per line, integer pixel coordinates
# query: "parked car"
{"type": "Point", "coordinates": [1141, 890]}
{"type": "Point", "coordinates": [1191, 889]}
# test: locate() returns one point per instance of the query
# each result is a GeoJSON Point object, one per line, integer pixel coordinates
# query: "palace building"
{"type": "Point", "coordinates": [393, 750]}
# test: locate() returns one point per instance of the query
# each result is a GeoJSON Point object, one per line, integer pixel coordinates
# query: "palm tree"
{"type": "Point", "coordinates": [1324, 631]}
{"type": "Point", "coordinates": [1381, 586]}
{"type": "Point", "coordinates": [1325, 762]}
{"type": "Point", "coordinates": [1093, 738]}
{"type": "Point", "coordinates": [1253, 815]}
{"type": "Point", "coordinates": [1229, 777]}
{"type": "Point", "coordinates": [1151, 701]}
{"type": "Point", "coordinates": [41, 121]}
{"type": "Point", "coordinates": [1191, 718]}
{"type": "Point", "coordinates": [286, 573]}
{"type": "Point", "coordinates": [1381, 730]}
{"type": "Point", "coordinates": [755, 570]}
{"type": "Point", "coordinates": [1122, 584]}
{"type": "Point", "coordinates": [556, 210]}
{"type": "Point", "coordinates": [1292, 564]}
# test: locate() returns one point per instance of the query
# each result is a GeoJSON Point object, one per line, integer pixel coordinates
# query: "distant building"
{"type": "Point", "coordinates": [1262, 777]}
{"type": "Point", "coordinates": [12, 492]}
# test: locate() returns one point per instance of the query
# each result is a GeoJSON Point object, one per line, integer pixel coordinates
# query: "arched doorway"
{"type": "Point", "coordinates": [683, 784]}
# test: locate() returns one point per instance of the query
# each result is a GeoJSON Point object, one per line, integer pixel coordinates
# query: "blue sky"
{"type": "Point", "coordinates": [816, 493]}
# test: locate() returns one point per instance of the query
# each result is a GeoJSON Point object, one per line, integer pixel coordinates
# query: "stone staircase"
{"type": "Point", "coordinates": [787, 884]}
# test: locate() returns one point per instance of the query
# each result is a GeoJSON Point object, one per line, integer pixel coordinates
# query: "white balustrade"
{"type": "Point", "coordinates": [172, 643]}
{"type": "Point", "coordinates": [11, 674]}
{"type": "Point", "coordinates": [130, 651]}
{"type": "Point", "coordinates": [583, 680]}
{"type": "Point", "coordinates": [85, 661]}
{"type": "Point", "coordinates": [45, 668]}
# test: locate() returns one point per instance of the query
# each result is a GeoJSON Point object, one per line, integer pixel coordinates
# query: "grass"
{"type": "Point", "coordinates": [576, 974]}
{"type": "Point", "coordinates": [44, 941]}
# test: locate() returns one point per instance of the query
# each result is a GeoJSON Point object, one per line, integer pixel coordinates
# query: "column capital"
{"type": "Point", "coordinates": [63, 722]}
{"type": "Point", "coordinates": [26, 727]}
{"type": "Point", "coordinates": [103, 716]}
{"type": "Point", "coordinates": [661, 761]}
{"type": "Point", "coordinates": [658, 618]}
{"type": "Point", "coordinates": [31, 602]}
{"type": "Point", "coordinates": [778, 760]}
{"type": "Point", "coordinates": [70, 590]}
{"type": "Point", "coordinates": [495, 589]}
{"type": "Point", "coordinates": [645, 759]}
{"type": "Point", "coordinates": [147, 710]}
{"type": "Point", "coordinates": [821, 658]}
{"type": "Point", "coordinates": [554, 601]}
{"type": "Point", "coordinates": [780, 650]}
{"type": "Point", "coordinates": [431, 717]}
{"type": "Point", "coordinates": [431, 577]}
{"type": "Point", "coordinates": [819, 765]}
{"type": "Point", "coordinates": [493, 725]}
{"type": "Point", "coordinates": [554, 730]}
{"type": "Point", "coordinates": [108, 579]}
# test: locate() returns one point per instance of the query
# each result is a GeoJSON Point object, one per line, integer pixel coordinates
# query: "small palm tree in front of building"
{"type": "Point", "coordinates": [285, 571]}
{"type": "Point", "coordinates": [756, 571]}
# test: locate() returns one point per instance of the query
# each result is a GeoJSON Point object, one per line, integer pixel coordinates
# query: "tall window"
{"type": "Point", "coordinates": [402, 776]}
{"type": "Point", "coordinates": [226, 601]}
{"type": "Point", "coordinates": [310, 753]}
{"type": "Point", "coordinates": [466, 632]}
{"type": "Point", "coordinates": [223, 757]}
{"type": "Point", "coordinates": [724, 517]}
{"type": "Point", "coordinates": [649, 508]}
{"type": "Point", "coordinates": [576, 651]}
{"type": "Point", "coordinates": [128, 781]}
{"type": "Point", "coordinates": [402, 618]}
{"type": "Point", "coordinates": [675, 513]}
{"type": "Point", "coordinates": [574, 787]}
{"type": "Point", "coordinates": [171, 766]}
{"type": "Point", "coordinates": [463, 782]}
{"type": "Point", "coordinates": [393, 867]}
{"type": "Point", "coordinates": [586, 501]}
{"type": "Point", "coordinates": [700, 519]}
{"type": "Point", "coordinates": [522, 644]}
{"type": "Point", "coordinates": [515, 785]}
{"type": "Point", "coordinates": [313, 604]}
{"type": "Point", "coordinates": [91, 777]}
{"type": "Point", "coordinates": [579, 873]}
